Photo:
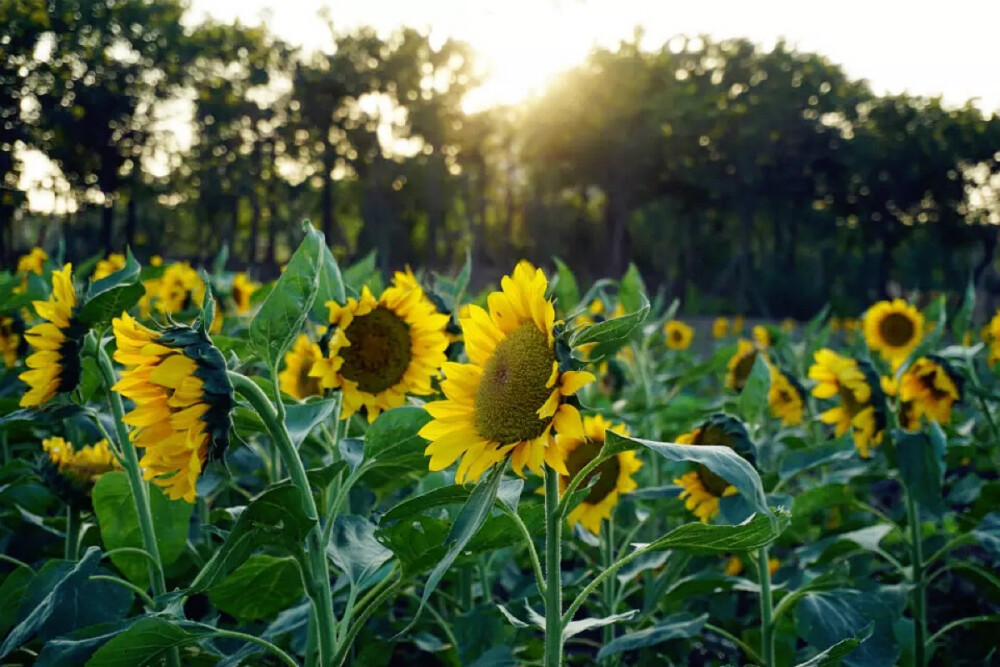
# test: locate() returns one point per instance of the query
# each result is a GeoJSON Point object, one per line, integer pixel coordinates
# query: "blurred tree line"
{"type": "Point", "coordinates": [743, 179]}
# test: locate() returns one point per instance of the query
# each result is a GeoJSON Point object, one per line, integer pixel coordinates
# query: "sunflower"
{"type": "Point", "coordinates": [785, 398]}
{"type": "Point", "coordinates": [114, 262]}
{"type": "Point", "coordinates": [862, 401]}
{"type": "Point", "coordinates": [740, 364]}
{"type": "Point", "coordinates": [930, 387]}
{"type": "Point", "coordinates": [177, 380]}
{"type": "Point", "coordinates": [180, 288]}
{"type": "Point", "coordinates": [893, 329]}
{"type": "Point", "coordinates": [678, 335]}
{"type": "Point", "coordinates": [734, 566]}
{"type": "Point", "coordinates": [85, 465]}
{"type": "Point", "coordinates": [701, 488]}
{"type": "Point", "coordinates": [55, 364]}
{"type": "Point", "coordinates": [381, 350]}
{"type": "Point", "coordinates": [720, 327]}
{"type": "Point", "coordinates": [11, 339]}
{"type": "Point", "coordinates": [761, 336]}
{"type": "Point", "coordinates": [737, 325]}
{"type": "Point", "coordinates": [295, 379]}
{"type": "Point", "coordinates": [33, 262]}
{"type": "Point", "coordinates": [991, 334]}
{"type": "Point", "coordinates": [510, 398]}
{"type": "Point", "coordinates": [788, 325]}
{"type": "Point", "coordinates": [243, 289]}
{"type": "Point", "coordinates": [614, 476]}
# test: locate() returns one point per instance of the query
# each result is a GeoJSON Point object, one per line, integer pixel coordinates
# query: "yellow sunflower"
{"type": "Point", "coordinates": [678, 335]}
{"type": "Point", "coordinates": [701, 488]}
{"type": "Point", "coordinates": [243, 289]}
{"type": "Point", "coordinates": [991, 334]}
{"type": "Point", "coordinates": [382, 349]}
{"type": "Point", "coordinates": [720, 327]}
{"type": "Point", "coordinates": [177, 380]}
{"type": "Point", "coordinates": [11, 340]}
{"type": "Point", "coordinates": [614, 476]}
{"type": "Point", "coordinates": [55, 364]}
{"type": "Point", "coordinates": [85, 465]}
{"type": "Point", "coordinates": [295, 379]}
{"type": "Point", "coordinates": [861, 408]}
{"type": "Point", "coordinates": [893, 329]}
{"type": "Point", "coordinates": [930, 388]}
{"type": "Point", "coordinates": [511, 396]}
{"type": "Point", "coordinates": [740, 364]}
{"type": "Point", "coordinates": [33, 262]}
{"type": "Point", "coordinates": [786, 398]}
{"type": "Point", "coordinates": [114, 262]}
{"type": "Point", "coordinates": [737, 325]}
{"type": "Point", "coordinates": [180, 288]}
{"type": "Point", "coordinates": [761, 336]}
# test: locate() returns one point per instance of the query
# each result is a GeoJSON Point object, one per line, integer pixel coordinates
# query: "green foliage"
{"type": "Point", "coordinates": [110, 296]}
{"type": "Point", "coordinates": [259, 588]}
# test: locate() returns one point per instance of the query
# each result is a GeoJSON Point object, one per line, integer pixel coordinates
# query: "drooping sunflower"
{"type": "Point", "coordinates": [183, 398]}
{"type": "Point", "coordinates": [741, 363]}
{"type": "Point", "coordinates": [862, 401]}
{"type": "Point", "coordinates": [678, 335]}
{"type": "Point", "coordinates": [930, 388]}
{"type": "Point", "coordinates": [614, 476]}
{"type": "Point", "coordinates": [12, 343]}
{"type": "Point", "coordinates": [720, 327]}
{"type": "Point", "coordinates": [893, 329]}
{"type": "Point", "coordinates": [701, 488]}
{"type": "Point", "coordinates": [71, 473]}
{"type": "Point", "coordinates": [511, 396]}
{"type": "Point", "coordinates": [55, 364]}
{"type": "Point", "coordinates": [114, 262]}
{"type": "Point", "coordinates": [785, 398]}
{"type": "Point", "coordinates": [243, 289]}
{"type": "Point", "coordinates": [295, 379]}
{"type": "Point", "coordinates": [380, 350]}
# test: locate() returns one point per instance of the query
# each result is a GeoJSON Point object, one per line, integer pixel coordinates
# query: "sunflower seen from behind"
{"type": "Point", "coordinates": [893, 329]}
{"type": "Point", "coordinates": [380, 350]}
{"type": "Point", "coordinates": [54, 366]}
{"type": "Point", "coordinates": [859, 392]}
{"type": "Point", "coordinates": [512, 394]}
{"type": "Point", "coordinates": [614, 476]}
{"type": "Point", "coordinates": [181, 418]}
{"type": "Point", "coordinates": [678, 335]}
{"type": "Point", "coordinates": [929, 389]}
{"type": "Point", "coordinates": [702, 489]}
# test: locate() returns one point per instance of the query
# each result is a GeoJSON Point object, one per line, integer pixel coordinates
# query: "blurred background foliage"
{"type": "Point", "coordinates": [744, 180]}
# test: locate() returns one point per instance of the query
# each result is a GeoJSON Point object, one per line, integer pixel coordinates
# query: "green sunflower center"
{"type": "Point", "coordinates": [606, 473]}
{"type": "Point", "coordinates": [379, 353]}
{"type": "Point", "coordinates": [512, 388]}
{"type": "Point", "coordinates": [896, 329]}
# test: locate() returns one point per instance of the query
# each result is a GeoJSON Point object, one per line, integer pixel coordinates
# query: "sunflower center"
{"type": "Point", "coordinates": [379, 352]}
{"type": "Point", "coordinates": [851, 404]}
{"type": "Point", "coordinates": [896, 329]}
{"type": "Point", "coordinates": [606, 473]}
{"type": "Point", "coordinates": [713, 435]}
{"type": "Point", "coordinates": [512, 388]}
{"type": "Point", "coordinates": [742, 370]}
{"type": "Point", "coordinates": [308, 386]}
{"type": "Point", "coordinates": [676, 336]}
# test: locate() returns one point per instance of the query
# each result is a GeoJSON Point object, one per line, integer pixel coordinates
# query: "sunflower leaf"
{"type": "Point", "coordinates": [675, 626]}
{"type": "Point", "coordinates": [757, 531]}
{"type": "Point", "coordinates": [920, 459]}
{"type": "Point", "coordinates": [609, 335]}
{"type": "Point", "coordinates": [753, 397]}
{"type": "Point", "coordinates": [259, 588]}
{"type": "Point", "coordinates": [109, 296]}
{"type": "Point", "coordinates": [564, 287]}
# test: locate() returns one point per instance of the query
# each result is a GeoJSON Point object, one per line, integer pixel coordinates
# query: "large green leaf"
{"type": "Point", "coordinates": [119, 523]}
{"type": "Point", "coordinates": [302, 418]}
{"type": "Point", "coordinates": [920, 459]}
{"type": "Point", "coordinates": [632, 290]}
{"type": "Point", "coordinates": [394, 448]}
{"type": "Point", "coordinates": [566, 291]}
{"type": "Point", "coordinates": [757, 531]}
{"type": "Point", "coordinates": [354, 549]}
{"type": "Point", "coordinates": [331, 283]}
{"type": "Point", "coordinates": [274, 518]}
{"type": "Point", "coordinates": [108, 297]}
{"type": "Point", "coordinates": [147, 642]}
{"type": "Point", "coordinates": [723, 461]}
{"type": "Point", "coordinates": [813, 456]}
{"type": "Point", "coordinates": [287, 307]}
{"type": "Point", "coordinates": [610, 335]}
{"type": "Point", "coordinates": [825, 619]}
{"type": "Point", "coordinates": [832, 656]}
{"type": "Point", "coordinates": [987, 534]}
{"type": "Point", "coordinates": [676, 626]}
{"type": "Point", "coordinates": [11, 592]}
{"type": "Point", "coordinates": [77, 647]}
{"type": "Point", "coordinates": [753, 397]}
{"type": "Point", "coordinates": [259, 588]}
{"type": "Point", "coordinates": [360, 273]}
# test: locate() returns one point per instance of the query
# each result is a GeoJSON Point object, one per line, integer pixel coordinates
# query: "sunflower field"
{"type": "Point", "coordinates": [342, 468]}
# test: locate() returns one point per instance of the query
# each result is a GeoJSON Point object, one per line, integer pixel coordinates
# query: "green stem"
{"type": "Point", "coordinates": [532, 552]}
{"type": "Point", "coordinates": [72, 532]}
{"type": "Point", "coordinates": [562, 507]}
{"type": "Point", "coordinates": [126, 584]}
{"type": "Point", "coordinates": [553, 581]}
{"type": "Point", "coordinates": [359, 622]}
{"type": "Point", "coordinates": [766, 608]}
{"type": "Point", "coordinates": [752, 654]}
{"type": "Point", "coordinates": [990, 618]}
{"type": "Point", "coordinates": [607, 558]}
{"type": "Point", "coordinates": [231, 634]}
{"type": "Point", "coordinates": [317, 569]}
{"type": "Point", "coordinates": [15, 561]}
{"type": "Point", "coordinates": [919, 592]}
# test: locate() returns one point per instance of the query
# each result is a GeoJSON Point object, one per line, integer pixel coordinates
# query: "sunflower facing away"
{"type": "Point", "coordinates": [114, 262]}
{"type": "Point", "coordinates": [893, 329]}
{"type": "Point", "coordinates": [380, 350]}
{"type": "Point", "coordinates": [177, 380]}
{"type": "Point", "coordinates": [929, 388]}
{"type": "Point", "coordinates": [862, 402]}
{"type": "Point", "coordinates": [510, 398]}
{"type": "Point", "coordinates": [786, 398]}
{"type": "Point", "coordinates": [11, 340]}
{"type": "Point", "coordinates": [243, 289]}
{"type": "Point", "coordinates": [678, 335]}
{"type": "Point", "coordinates": [295, 380]}
{"type": "Point", "coordinates": [741, 363]}
{"type": "Point", "coordinates": [55, 365]}
{"type": "Point", "coordinates": [701, 488]}
{"type": "Point", "coordinates": [614, 476]}
{"type": "Point", "coordinates": [84, 465]}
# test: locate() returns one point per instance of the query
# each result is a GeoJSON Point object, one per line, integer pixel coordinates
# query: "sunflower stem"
{"type": "Point", "coordinates": [72, 532]}
{"type": "Point", "coordinates": [317, 569]}
{"type": "Point", "coordinates": [919, 589]}
{"type": "Point", "coordinates": [766, 608]}
{"type": "Point", "coordinates": [553, 581]}
{"type": "Point", "coordinates": [607, 558]}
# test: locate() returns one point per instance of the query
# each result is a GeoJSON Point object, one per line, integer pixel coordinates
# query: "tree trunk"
{"type": "Point", "coordinates": [616, 225]}
{"type": "Point", "coordinates": [107, 224]}
{"type": "Point", "coordinates": [130, 220]}
{"type": "Point", "coordinates": [327, 196]}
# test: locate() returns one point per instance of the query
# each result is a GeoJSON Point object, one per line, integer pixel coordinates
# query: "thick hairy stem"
{"type": "Point", "coordinates": [553, 581]}
{"type": "Point", "coordinates": [919, 587]}
{"type": "Point", "coordinates": [766, 608]}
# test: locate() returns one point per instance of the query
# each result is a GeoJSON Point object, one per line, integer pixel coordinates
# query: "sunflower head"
{"type": "Point", "coordinates": [114, 262]}
{"type": "Point", "coordinates": [71, 473]}
{"type": "Point", "coordinates": [929, 388]}
{"type": "Point", "coordinates": [859, 390]}
{"type": "Point", "coordinates": [893, 329]}
{"type": "Point", "coordinates": [177, 380]}
{"type": "Point", "coordinates": [786, 398]}
{"type": "Point", "coordinates": [678, 335]}
{"type": "Point", "coordinates": [761, 336]}
{"type": "Point", "coordinates": [701, 488]}
{"type": "Point", "coordinates": [33, 262]}
{"type": "Point", "coordinates": [12, 341]}
{"type": "Point", "coordinates": [720, 327]}
{"type": "Point", "coordinates": [178, 289]}
{"type": "Point", "coordinates": [608, 481]}
{"type": "Point", "coordinates": [54, 367]}
{"type": "Point", "coordinates": [513, 394]}
{"type": "Point", "coordinates": [379, 350]}
{"type": "Point", "coordinates": [741, 363]}
{"type": "Point", "coordinates": [243, 289]}
{"type": "Point", "coordinates": [299, 360]}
